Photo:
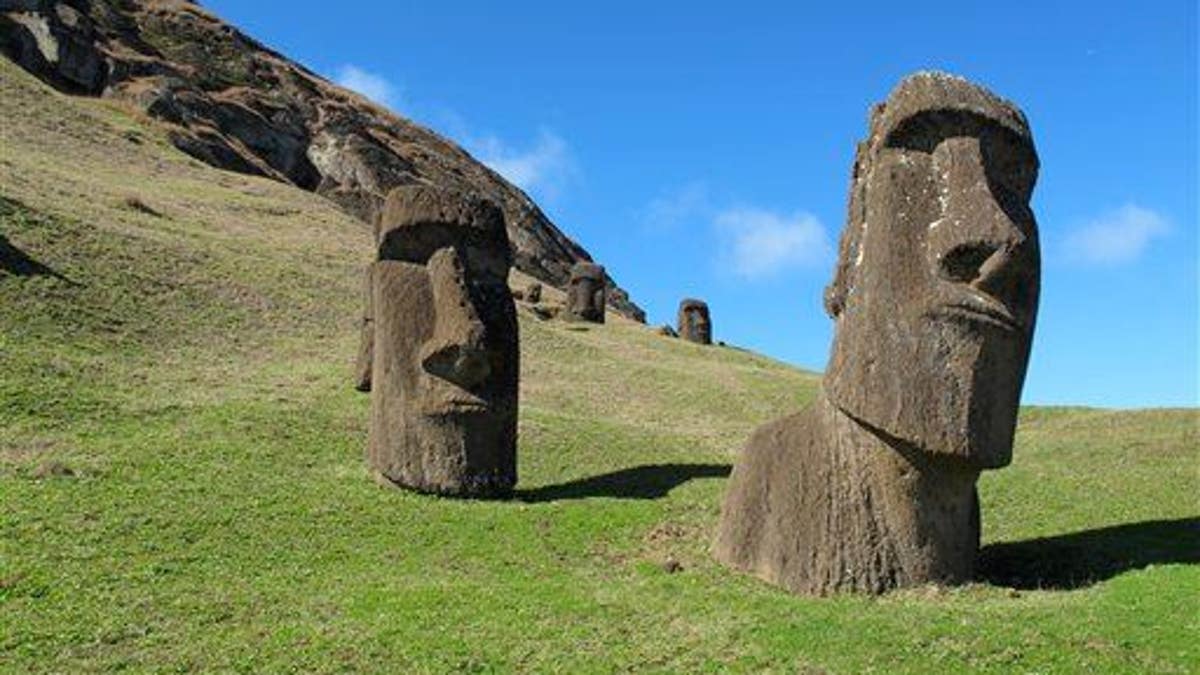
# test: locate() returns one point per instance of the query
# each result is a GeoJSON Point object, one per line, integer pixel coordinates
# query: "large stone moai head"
{"type": "Point", "coordinates": [445, 356]}
{"type": "Point", "coordinates": [694, 322]}
{"type": "Point", "coordinates": [586, 293]}
{"type": "Point", "coordinates": [936, 287]}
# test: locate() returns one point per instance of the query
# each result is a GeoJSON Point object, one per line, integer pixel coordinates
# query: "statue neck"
{"type": "Point", "coordinates": [922, 508]}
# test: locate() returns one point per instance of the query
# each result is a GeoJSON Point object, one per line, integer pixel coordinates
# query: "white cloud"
{"type": "Point", "coordinates": [762, 243]}
{"type": "Point", "coordinates": [542, 169]}
{"type": "Point", "coordinates": [671, 209]}
{"type": "Point", "coordinates": [373, 86]}
{"type": "Point", "coordinates": [1118, 236]}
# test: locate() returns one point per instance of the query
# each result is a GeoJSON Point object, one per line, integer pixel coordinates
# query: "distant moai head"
{"type": "Point", "coordinates": [936, 287]}
{"type": "Point", "coordinates": [694, 322]}
{"type": "Point", "coordinates": [445, 357]}
{"type": "Point", "coordinates": [533, 293]}
{"type": "Point", "coordinates": [586, 293]}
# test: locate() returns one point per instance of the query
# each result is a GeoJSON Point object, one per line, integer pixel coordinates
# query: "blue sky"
{"type": "Point", "coordinates": [705, 150]}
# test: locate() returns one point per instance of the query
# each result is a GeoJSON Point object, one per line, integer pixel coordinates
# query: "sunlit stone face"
{"type": "Point", "coordinates": [937, 284]}
{"type": "Point", "coordinates": [586, 293]}
{"type": "Point", "coordinates": [445, 358]}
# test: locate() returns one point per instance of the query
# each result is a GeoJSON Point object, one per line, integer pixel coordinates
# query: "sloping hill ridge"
{"type": "Point", "coordinates": [182, 484]}
{"type": "Point", "coordinates": [235, 104]}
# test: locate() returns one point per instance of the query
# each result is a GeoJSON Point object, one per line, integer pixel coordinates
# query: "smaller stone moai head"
{"type": "Point", "coordinates": [445, 354]}
{"type": "Point", "coordinates": [533, 293]}
{"type": "Point", "coordinates": [936, 286]}
{"type": "Point", "coordinates": [694, 322]}
{"type": "Point", "coordinates": [586, 293]}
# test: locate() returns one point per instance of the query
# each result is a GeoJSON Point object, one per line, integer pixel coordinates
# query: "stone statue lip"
{"type": "Point", "coordinates": [458, 405]}
{"type": "Point", "coordinates": [979, 309]}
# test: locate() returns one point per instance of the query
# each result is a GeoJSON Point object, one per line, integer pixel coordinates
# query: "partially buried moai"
{"type": "Point", "coordinates": [872, 487]}
{"type": "Point", "coordinates": [586, 293]}
{"type": "Point", "coordinates": [533, 293]}
{"type": "Point", "coordinates": [695, 324]}
{"type": "Point", "coordinates": [440, 346]}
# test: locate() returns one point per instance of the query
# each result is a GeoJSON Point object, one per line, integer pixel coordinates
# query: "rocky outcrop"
{"type": "Point", "coordinates": [232, 103]}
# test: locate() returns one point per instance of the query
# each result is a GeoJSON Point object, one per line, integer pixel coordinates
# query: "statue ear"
{"type": "Point", "coordinates": [846, 269]}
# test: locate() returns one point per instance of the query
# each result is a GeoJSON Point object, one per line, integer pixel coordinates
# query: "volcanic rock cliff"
{"type": "Point", "coordinates": [232, 103]}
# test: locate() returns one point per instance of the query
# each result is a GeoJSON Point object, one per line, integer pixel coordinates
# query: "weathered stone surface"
{"type": "Point", "coordinates": [237, 105]}
{"type": "Point", "coordinates": [585, 293]}
{"type": "Point", "coordinates": [366, 344]}
{"type": "Point", "coordinates": [934, 299]}
{"type": "Point", "coordinates": [444, 350]}
{"type": "Point", "coordinates": [53, 41]}
{"type": "Point", "coordinates": [666, 331]}
{"type": "Point", "coordinates": [695, 324]}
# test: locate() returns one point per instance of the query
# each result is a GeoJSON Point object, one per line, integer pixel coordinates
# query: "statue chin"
{"type": "Point", "coordinates": [948, 399]}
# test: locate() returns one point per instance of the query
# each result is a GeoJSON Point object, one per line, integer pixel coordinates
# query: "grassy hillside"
{"type": "Point", "coordinates": [182, 488]}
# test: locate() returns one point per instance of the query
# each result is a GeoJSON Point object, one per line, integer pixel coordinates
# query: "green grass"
{"type": "Point", "coordinates": [182, 487]}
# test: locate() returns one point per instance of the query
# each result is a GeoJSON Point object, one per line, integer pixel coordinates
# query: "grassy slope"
{"type": "Point", "coordinates": [181, 482]}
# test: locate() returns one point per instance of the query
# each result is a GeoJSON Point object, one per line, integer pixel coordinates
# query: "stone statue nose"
{"type": "Point", "coordinates": [975, 241]}
{"type": "Point", "coordinates": [456, 350]}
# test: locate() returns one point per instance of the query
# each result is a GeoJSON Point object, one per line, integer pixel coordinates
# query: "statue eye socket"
{"type": "Point", "coordinates": [1010, 163]}
{"type": "Point", "coordinates": [1009, 160]}
{"type": "Point", "coordinates": [415, 243]}
{"type": "Point", "coordinates": [924, 131]}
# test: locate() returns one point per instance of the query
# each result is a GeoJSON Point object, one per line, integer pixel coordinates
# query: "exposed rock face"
{"type": "Point", "coordinates": [232, 103]}
{"type": "Point", "coordinates": [695, 324]}
{"type": "Point", "coordinates": [444, 350]}
{"type": "Point", "coordinates": [934, 297]}
{"type": "Point", "coordinates": [585, 293]}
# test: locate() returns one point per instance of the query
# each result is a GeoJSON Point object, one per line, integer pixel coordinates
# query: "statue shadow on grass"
{"type": "Point", "coordinates": [652, 481]}
{"type": "Point", "coordinates": [16, 262]}
{"type": "Point", "coordinates": [1081, 559]}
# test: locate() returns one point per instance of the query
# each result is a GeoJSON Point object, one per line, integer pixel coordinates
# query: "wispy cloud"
{"type": "Point", "coordinates": [761, 243]}
{"type": "Point", "coordinates": [543, 169]}
{"type": "Point", "coordinates": [1115, 237]}
{"type": "Point", "coordinates": [372, 85]}
{"type": "Point", "coordinates": [673, 208]}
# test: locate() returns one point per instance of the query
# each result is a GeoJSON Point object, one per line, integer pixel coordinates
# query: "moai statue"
{"type": "Point", "coordinates": [934, 297]}
{"type": "Point", "coordinates": [694, 322]}
{"type": "Point", "coordinates": [586, 293]}
{"type": "Point", "coordinates": [441, 341]}
{"type": "Point", "coordinates": [533, 293]}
